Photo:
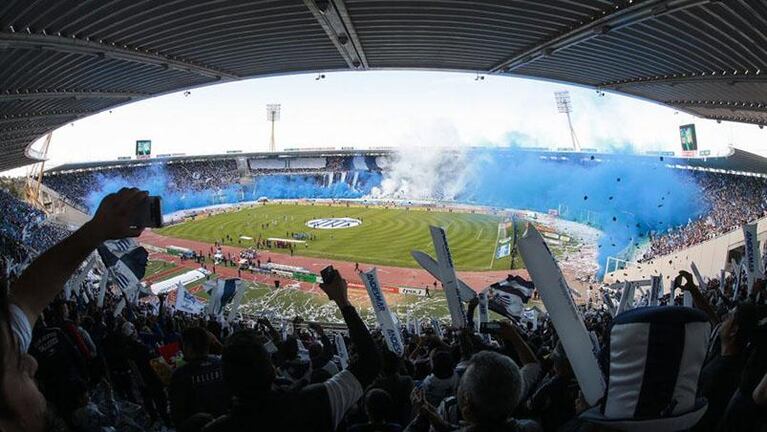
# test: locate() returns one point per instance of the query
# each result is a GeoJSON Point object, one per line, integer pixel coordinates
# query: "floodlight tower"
{"type": "Point", "coordinates": [565, 106]}
{"type": "Point", "coordinates": [272, 115]}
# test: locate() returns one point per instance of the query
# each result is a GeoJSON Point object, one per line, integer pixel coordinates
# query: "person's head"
{"type": "Point", "coordinates": [378, 405]}
{"type": "Point", "coordinates": [289, 348]}
{"type": "Point", "coordinates": [128, 330]}
{"type": "Point", "coordinates": [441, 363]}
{"type": "Point", "coordinates": [22, 406]}
{"type": "Point", "coordinates": [195, 343]}
{"type": "Point", "coordinates": [247, 367]}
{"type": "Point", "coordinates": [490, 389]}
{"type": "Point", "coordinates": [315, 350]}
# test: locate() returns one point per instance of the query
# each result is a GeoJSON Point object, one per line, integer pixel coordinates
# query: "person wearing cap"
{"type": "Point", "coordinates": [656, 355]}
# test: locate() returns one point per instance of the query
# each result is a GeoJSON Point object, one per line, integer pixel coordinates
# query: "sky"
{"type": "Point", "coordinates": [386, 109]}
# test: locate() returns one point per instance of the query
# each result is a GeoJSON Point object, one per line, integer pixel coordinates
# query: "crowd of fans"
{"type": "Point", "coordinates": [24, 229]}
{"type": "Point", "coordinates": [732, 201]}
{"type": "Point", "coordinates": [150, 367]}
{"type": "Point", "coordinates": [213, 174]}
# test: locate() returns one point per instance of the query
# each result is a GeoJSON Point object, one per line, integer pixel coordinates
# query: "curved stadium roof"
{"type": "Point", "coordinates": [61, 60]}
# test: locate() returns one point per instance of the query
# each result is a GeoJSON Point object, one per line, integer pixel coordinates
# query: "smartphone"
{"type": "Point", "coordinates": [149, 214]}
{"type": "Point", "coordinates": [491, 327]}
{"type": "Point", "coordinates": [328, 274]}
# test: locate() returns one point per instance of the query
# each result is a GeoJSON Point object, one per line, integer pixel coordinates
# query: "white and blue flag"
{"type": "Point", "coordinates": [125, 261]}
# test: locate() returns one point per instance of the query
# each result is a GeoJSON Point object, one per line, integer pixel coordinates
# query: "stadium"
{"type": "Point", "coordinates": [386, 287]}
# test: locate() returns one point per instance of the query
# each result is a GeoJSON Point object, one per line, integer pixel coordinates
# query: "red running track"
{"type": "Point", "coordinates": [389, 276]}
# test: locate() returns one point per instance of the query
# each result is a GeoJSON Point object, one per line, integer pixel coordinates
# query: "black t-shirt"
{"type": "Point", "coordinates": [55, 353]}
{"type": "Point", "coordinates": [198, 386]}
{"type": "Point", "coordinates": [59, 362]}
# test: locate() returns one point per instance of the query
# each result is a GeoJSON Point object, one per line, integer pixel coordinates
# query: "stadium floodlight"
{"type": "Point", "coordinates": [565, 106]}
{"type": "Point", "coordinates": [272, 115]}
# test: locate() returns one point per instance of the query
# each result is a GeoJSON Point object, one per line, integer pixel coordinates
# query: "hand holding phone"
{"type": "Point", "coordinates": [491, 327]}
{"type": "Point", "coordinates": [334, 286]}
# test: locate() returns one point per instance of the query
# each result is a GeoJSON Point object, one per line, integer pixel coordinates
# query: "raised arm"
{"type": "Point", "coordinates": [684, 281]}
{"type": "Point", "coordinates": [326, 404]}
{"type": "Point", "coordinates": [368, 362]}
{"type": "Point", "coordinates": [327, 347]}
{"type": "Point", "coordinates": [509, 334]}
{"type": "Point", "coordinates": [45, 277]}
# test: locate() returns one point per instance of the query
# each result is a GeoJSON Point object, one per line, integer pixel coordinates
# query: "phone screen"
{"type": "Point", "coordinates": [149, 214]}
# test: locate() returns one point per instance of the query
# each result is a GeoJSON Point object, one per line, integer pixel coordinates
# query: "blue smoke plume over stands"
{"type": "Point", "coordinates": [157, 182]}
{"type": "Point", "coordinates": [625, 196]}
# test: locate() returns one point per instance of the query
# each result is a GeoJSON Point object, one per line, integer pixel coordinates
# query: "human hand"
{"type": "Point", "coordinates": [417, 398]}
{"type": "Point", "coordinates": [684, 281]}
{"type": "Point", "coordinates": [580, 404]}
{"type": "Point", "coordinates": [337, 290]}
{"type": "Point", "coordinates": [727, 335]}
{"type": "Point", "coordinates": [116, 215]}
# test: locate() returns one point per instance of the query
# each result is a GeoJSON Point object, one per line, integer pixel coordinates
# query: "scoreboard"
{"type": "Point", "coordinates": [143, 149]}
{"type": "Point", "coordinates": [687, 137]}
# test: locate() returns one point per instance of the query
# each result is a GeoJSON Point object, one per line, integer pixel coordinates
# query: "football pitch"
{"type": "Point", "coordinates": [385, 237]}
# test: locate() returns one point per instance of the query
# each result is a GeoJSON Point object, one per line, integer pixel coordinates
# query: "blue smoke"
{"type": "Point", "coordinates": [156, 180]}
{"type": "Point", "coordinates": [624, 196]}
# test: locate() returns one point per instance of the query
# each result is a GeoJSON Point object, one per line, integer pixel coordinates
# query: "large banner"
{"type": "Point", "coordinates": [125, 260]}
{"type": "Point", "coordinates": [448, 277]}
{"type": "Point", "coordinates": [752, 260]}
{"type": "Point", "coordinates": [430, 265]}
{"type": "Point", "coordinates": [390, 330]}
{"type": "Point", "coordinates": [565, 317]}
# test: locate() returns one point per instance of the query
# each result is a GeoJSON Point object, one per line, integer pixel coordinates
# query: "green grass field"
{"type": "Point", "coordinates": [154, 267]}
{"type": "Point", "coordinates": [385, 237]}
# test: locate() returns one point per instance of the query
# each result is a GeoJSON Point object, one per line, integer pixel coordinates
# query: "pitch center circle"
{"type": "Point", "coordinates": [333, 223]}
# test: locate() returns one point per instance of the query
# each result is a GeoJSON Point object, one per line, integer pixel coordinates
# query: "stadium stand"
{"type": "Point", "coordinates": [733, 201]}
{"type": "Point", "coordinates": [170, 369]}
{"type": "Point", "coordinates": [213, 174]}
